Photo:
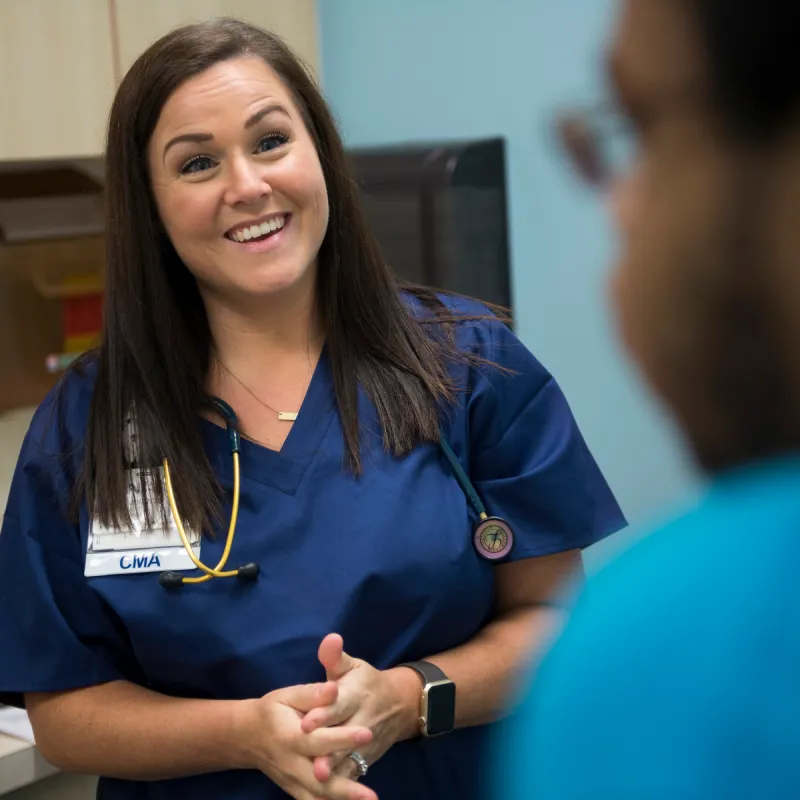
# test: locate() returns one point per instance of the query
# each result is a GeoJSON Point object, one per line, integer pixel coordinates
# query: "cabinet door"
{"type": "Point", "coordinates": [141, 22]}
{"type": "Point", "coordinates": [56, 78]}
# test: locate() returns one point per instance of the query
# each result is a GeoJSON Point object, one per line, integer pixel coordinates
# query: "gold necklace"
{"type": "Point", "coordinates": [283, 416]}
{"type": "Point", "coordinates": [246, 435]}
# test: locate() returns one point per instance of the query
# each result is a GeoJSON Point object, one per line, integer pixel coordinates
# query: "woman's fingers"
{"type": "Point", "coordinates": [289, 752]}
{"type": "Point", "coordinates": [340, 787]}
{"type": "Point", "coordinates": [334, 714]}
{"type": "Point", "coordinates": [323, 768]}
{"type": "Point", "coordinates": [338, 764]}
{"type": "Point", "coordinates": [300, 784]}
{"type": "Point", "coordinates": [333, 658]}
{"type": "Point", "coordinates": [340, 739]}
{"type": "Point", "coordinates": [307, 697]}
{"type": "Point", "coordinates": [345, 768]}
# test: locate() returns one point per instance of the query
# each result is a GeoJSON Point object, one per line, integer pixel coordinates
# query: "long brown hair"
{"type": "Point", "coordinates": [154, 356]}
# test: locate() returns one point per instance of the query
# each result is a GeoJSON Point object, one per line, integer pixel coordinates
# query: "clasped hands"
{"type": "Point", "coordinates": [302, 736]}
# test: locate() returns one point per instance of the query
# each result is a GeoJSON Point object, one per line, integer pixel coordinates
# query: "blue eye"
{"type": "Point", "coordinates": [196, 164]}
{"type": "Point", "coordinates": [270, 142]}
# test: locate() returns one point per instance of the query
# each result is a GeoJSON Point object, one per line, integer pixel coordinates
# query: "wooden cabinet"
{"type": "Point", "coordinates": [60, 64]}
{"type": "Point", "coordinates": [56, 78]}
{"type": "Point", "coordinates": [141, 22]}
{"type": "Point", "coordinates": [61, 60]}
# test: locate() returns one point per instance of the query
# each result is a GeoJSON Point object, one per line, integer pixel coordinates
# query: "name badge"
{"type": "Point", "coordinates": [141, 548]}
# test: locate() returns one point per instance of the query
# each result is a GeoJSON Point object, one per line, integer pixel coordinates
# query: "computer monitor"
{"type": "Point", "coordinates": [439, 212]}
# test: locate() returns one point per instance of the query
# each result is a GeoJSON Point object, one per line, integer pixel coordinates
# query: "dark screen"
{"type": "Point", "coordinates": [441, 708]}
{"type": "Point", "coordinates": [438, 212]}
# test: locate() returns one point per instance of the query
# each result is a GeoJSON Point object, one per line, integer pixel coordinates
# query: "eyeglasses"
{"type": "Point", "coordinates": [599, 141]}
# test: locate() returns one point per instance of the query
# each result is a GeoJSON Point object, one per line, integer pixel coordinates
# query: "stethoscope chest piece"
{"type": "Point", "coordinates": [493, 539]}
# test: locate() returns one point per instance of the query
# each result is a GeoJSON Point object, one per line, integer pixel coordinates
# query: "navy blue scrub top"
{"type": "Point", "coordinates": [386, 560]}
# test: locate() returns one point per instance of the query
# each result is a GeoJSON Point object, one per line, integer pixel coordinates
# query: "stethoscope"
{"type": "Point", "coordinates": [493, 537]}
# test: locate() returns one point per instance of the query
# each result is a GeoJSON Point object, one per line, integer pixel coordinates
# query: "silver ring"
{"type": "Point", "coordinates": [361, 764]}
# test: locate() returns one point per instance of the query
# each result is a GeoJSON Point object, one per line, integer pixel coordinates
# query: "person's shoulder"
{"type": "Point", "coordinates": [466, 306]}
{"type": "Point", "coordinates": [718, 531]}
{"type": "Point", "coordinates": [429, 305]}
{"type": "Point", "coordinates": [630, 597]}
{"type": "Point", "coordinates": [52, 451]}
{"type": "Point", "coordinates": [663, 595]}
{"type": "Point", "coordinates": [59, 422]}
{"type": "Point", "coordinates": [480, 329]}
{"type": "Point", "coordinates": [699, 617]}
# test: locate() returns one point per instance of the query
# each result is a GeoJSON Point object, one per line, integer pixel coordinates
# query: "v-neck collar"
{"type": "Point", "coordinates": [282, 469]}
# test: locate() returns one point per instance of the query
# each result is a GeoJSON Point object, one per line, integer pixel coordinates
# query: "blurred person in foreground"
{"type": "Point", "coordinates": [678, 674]}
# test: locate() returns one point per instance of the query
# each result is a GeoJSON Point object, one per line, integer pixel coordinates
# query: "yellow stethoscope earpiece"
{"type": "Point", "coordinates": [493, 537]}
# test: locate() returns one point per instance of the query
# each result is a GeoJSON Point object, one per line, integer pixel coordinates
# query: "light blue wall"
{"type": "Point", "coordinates": [400, 70]}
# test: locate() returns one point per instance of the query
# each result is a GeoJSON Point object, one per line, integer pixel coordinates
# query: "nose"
{"type": "Point", "coordinates": [247, 182]}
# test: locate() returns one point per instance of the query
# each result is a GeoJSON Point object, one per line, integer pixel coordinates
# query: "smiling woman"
{"type": "Point", "coordinates": [230, 142]}
{"type": "Point", "coordinates": [241, 275]}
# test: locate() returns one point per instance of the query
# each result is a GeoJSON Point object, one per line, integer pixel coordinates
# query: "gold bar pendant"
{"type": "Point", "coordinates": [287, 416]}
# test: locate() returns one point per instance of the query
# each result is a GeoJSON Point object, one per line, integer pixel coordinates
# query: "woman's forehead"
{"type": "Point", "coordinates": [242, 81]}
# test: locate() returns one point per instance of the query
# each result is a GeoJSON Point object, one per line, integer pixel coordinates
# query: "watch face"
{"type": "Point", "coordinates": [441, 708]}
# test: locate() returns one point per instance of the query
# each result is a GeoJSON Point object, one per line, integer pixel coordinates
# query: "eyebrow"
{"type": "Point", "coordinates": [273, 108]}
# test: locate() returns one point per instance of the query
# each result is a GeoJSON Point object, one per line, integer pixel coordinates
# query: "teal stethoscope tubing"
{"type": "Point", "coordinates": [489, 534]}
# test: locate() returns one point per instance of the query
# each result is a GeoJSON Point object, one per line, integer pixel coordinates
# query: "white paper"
{"type": "Point", "coordinates": [129, 562]}
{"type": "Point", "coordinates": [144, 547]}
{"type": "Point", "coordinates": [14, 722]}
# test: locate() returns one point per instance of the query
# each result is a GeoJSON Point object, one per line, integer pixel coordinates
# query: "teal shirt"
{"type": "Point", "coordinates": [678, 675]}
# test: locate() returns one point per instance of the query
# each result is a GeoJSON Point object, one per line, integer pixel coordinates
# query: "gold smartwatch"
{"type": "Point", "coordinates": [437, 713]}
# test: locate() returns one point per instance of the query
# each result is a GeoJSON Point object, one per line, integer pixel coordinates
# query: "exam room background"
{"type": "Point", "coordinates": [405, 70]}
{"type": "Point", "coordinates": [439, 69]}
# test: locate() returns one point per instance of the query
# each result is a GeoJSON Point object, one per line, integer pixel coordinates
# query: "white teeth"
{"type": "Point", "coordinates": [255, 231]}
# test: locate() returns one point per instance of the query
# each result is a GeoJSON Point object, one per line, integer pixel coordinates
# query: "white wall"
{"type": "Point", "coordinates": [13, 426]}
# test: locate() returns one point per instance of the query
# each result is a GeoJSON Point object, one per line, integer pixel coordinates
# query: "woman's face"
{"type": "Point", "coordinates": [705, 285]}
{"type": "Point", "coordinates": [673, 208]}
{"type": "Point", "coordinates": [238, 183]}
